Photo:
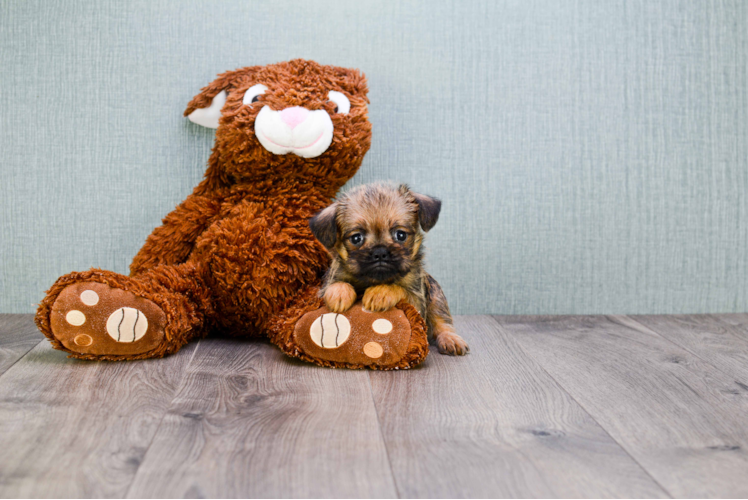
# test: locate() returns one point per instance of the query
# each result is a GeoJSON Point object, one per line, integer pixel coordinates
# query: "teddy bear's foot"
{"type": "Point", "coordinates": [390, 340]}
{"type": "Point", "coordinates": [95, 321]}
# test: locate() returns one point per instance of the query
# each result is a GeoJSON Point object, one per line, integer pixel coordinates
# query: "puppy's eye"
{"type": "Point", "coordinates": [356, 239]}
{"type": "Point", "coordinates": [401, 235]}
{"type": "Point", "coordinates": [253, 93]}
{"type": "Point", "coordinates": [342, 104]}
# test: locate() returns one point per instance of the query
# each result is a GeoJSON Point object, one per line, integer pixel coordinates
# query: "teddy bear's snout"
{"type": "Point", "coordinates": [294, 130]}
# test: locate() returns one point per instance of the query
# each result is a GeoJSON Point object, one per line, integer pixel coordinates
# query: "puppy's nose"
{"type": "Point", "coordinates": [380, 253]}
{"type": "Point", "coordinates": [294, 116]}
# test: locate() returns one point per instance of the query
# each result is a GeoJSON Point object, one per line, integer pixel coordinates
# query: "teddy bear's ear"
{"type": "Point", "coordinates": [324, 226]}
{"type": "Point", "coordinates": [205, 108]}
{"type": "Point", "coordinates": [208, 117]}
{"type": "Point", "coordinates": [428, 210]}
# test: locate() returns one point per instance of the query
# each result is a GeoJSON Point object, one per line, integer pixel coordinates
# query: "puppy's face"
{"type": "Point", "coordinates": [376, 232]}
{"type": "Point", "coordinates": [379, 236]}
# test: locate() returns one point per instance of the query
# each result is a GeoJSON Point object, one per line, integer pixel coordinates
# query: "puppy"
{"type": "Point", "coordinates": [375, 235]}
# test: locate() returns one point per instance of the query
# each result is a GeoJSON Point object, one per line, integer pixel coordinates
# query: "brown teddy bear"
{"type": "Point", "coordinates": [237, 256]}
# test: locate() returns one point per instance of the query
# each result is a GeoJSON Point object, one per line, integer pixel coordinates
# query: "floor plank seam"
{"type": "Point", "coordinates": [561, 387]}
{"type": "Point", "coordinates": [679, 346]}
{"type": "Point", "coordinates": [19, 359]}
{"type": "Point", "coordinates": [381, 435]}
{"type": "Point", "coordinates": [161, 421]}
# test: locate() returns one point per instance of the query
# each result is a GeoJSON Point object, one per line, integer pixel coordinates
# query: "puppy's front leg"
{"type": "Point", "coordinates": [380, 298]}
{"type": "Point", "coordinates": [439, 321]}
{"type": "Point", "coordinates": [447, 340]}
{"type": "Point", "coordinates": [339, 297]}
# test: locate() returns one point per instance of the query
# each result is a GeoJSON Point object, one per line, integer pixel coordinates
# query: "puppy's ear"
{"type": "Point", "coordinates": [428, 210]}
{"type": "Point", "coordinates": [324, 226]}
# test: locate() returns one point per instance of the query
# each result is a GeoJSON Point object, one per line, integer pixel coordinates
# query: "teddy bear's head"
{"type": "Point", "coordinates": [295, 120]}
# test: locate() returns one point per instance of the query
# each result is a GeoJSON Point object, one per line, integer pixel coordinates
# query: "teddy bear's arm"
{"type": "Point", "coordinates": [172, 242]}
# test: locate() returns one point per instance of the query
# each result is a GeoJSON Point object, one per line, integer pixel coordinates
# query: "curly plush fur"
{"type": "Point", "coordinates": [237, 256]}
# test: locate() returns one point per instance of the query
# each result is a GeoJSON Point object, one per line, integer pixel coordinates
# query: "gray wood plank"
{"type": "Point", "coordinates": [678, 416]}
{"type": "Point", "coordinates": [18, 335]}
{"type": "Point", "coordinates": [721, 340]}
{"type": "Point", "coordinates": [494, 424]}
{"type": "Point", "coordinates": [251, 422]}
{"type": "Point", "coordinates": [74, 428]}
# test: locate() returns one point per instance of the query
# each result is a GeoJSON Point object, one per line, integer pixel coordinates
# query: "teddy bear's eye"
{"type": "Point", "coordinates": [342, 104]}
{"type": "Point", "coordinates": [253, 93]}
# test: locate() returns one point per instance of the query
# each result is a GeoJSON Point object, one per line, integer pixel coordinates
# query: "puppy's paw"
{"type": "Point", "coordinates": [452, 344]}
{"type": "Point", "coordinates": [339, 297]}
{"type": "Point", "coordinates": [380, 298]}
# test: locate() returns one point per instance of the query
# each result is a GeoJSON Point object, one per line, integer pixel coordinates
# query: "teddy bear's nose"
{"type": "Point", "coordinates": [294, 116]}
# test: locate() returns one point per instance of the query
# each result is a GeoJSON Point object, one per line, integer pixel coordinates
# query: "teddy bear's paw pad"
{"type": "Point", "coordinates": [355, 337]}
{"type": "Point", "coordinates": [330, 330]}
{"type": "Point", "coordinates": [127, 324]}
{"type": "Point", "coordinates": [93, 318]}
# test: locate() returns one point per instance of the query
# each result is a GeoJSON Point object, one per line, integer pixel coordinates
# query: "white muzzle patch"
{"type": "Point", "coordinates": [294, 130]}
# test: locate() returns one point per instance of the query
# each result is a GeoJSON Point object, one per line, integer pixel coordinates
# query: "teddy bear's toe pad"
{"type": "Point", "coordinates": [93, 318]}
{"type": "Point", "coordinates": [355, 337]}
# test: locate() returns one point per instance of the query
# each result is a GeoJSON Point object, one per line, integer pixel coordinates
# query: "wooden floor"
{"type": "Point", "coordinates": [585, 406]}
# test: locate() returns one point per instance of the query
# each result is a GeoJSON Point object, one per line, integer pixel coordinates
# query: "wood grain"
{"type": "Point", "coordinates": [494, 424]}
{"type": "Point", "coordinates": [18, 335]}
{"type": "Point", "coordinates": [543, 406]}
{"type": "Point", "coordinates": [721, 340]}
{"type": "Point", "coordinates": [679, 417]}
{"type": "Point", "coordinates": [74, 428]}
{"type": "Point", "coordinates": [250, 422]}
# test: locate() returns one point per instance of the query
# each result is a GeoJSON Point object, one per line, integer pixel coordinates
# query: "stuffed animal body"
{"type": "Point", "coordinates": [237, 256]}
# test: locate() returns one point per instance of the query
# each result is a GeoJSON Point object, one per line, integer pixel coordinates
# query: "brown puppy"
{"type": "Point", "coordinates": [375, 234]}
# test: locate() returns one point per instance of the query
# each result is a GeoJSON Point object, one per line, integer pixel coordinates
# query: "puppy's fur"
{"type": "Point", "coordinates": [375, 235]}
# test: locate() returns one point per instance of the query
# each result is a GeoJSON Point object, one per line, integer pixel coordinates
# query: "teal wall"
{"type": "Point", "coordinates": [592, 155]}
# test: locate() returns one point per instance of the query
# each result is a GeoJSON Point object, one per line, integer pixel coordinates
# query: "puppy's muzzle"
{"type": "Point", "coordinates": [380, 264]}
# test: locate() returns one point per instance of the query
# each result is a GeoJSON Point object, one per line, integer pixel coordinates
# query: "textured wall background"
{"type": "Point", "coordinates": [592, 156]}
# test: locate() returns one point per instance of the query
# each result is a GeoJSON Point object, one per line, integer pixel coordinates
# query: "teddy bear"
{"type": "Point", "coordinates": [237, 256]}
